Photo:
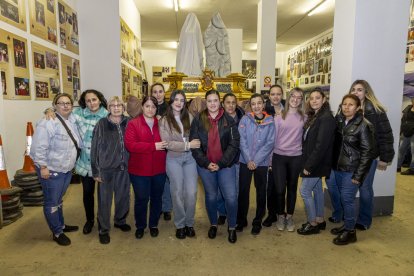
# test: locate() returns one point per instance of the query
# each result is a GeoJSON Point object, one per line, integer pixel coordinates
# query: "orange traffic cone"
{"type": "Point", "coordinates": [4, 179]}
{"type": "Point", "coordinates": [28, 165]}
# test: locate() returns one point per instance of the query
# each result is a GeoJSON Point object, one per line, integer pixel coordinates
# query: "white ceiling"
{"type": "Point", "coordinates": [161, 25]}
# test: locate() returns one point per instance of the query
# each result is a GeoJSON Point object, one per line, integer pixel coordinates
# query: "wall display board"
{"type": "Point", "coordinates": [70, 76]}
{"type": "Point", "coordinates": [409, 57]}
{"type": "Point", "coordinates": [13, 12]}
{"type": "Point", "coordinates": [131, 82]}
{"type": "Point", "coordinates": [46, 72]}
{"type": "Point", "coordinates": [68, 28]}
{"type": "Point", "coordinates": [310, 64]}
{"type": "Point", "coordinates": [14, 66]}
{"type": "Point", "coordinates": [43, 19]}
{"type": "Point", "coordinates": [160, 73]}
{"type": "Point", "coordinates": [130, 46]}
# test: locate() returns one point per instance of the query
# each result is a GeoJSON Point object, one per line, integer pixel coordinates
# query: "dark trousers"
{"type": "Point", "coordinates": [286, 171]}
{"type": "Point", "coordinates": [88, 184]}
{"type": "Point", "coordinates": [260, 178]}
{"type": "Point", "coordinates": [147, 189]}
{"type": "Point", "coordinates": [271, 194]}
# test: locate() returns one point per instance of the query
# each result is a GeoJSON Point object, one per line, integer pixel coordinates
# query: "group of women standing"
{"type": "Point", "coordinates": [163, 151]}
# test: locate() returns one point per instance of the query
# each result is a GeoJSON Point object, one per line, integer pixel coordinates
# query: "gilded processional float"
{"type": "Point", "coordinates": [217, 75]}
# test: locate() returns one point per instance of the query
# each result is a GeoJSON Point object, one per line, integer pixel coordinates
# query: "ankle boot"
{"type": "Point", "coordinates": [338, 230]}
{"type": "Point", "coordinates": [347, 236]}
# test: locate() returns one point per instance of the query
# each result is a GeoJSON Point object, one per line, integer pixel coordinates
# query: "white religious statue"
{"type": "Point", "coordinates": [190, 48]}
{"type": "Point", "coordinates": [216, 41]}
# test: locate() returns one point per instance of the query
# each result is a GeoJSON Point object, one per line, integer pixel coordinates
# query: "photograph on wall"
{"type": "Point", "coordinates": [249, 68]}
{"type": "Point", "coordinates": [68, 28]}
{"type": "Point", "coordinates": [42, 90]}
{"type": "Point", "coordinates": [13, 12]}
{"type": "Point", "coordinates": [13, 64]}
{"type": "Point", "coordinates": [3, 82]}
{"type": "Point", "coordinates": [4, 53]}
{"type": "Point", "coordinates": [54, 85]}
{"type": "Point", "coordinates": [52, 60]}
{"type": "Point", "coordinates": [19, 48]}
{"type": "Point", "coordinates": [21, 86]}
{"type": "Point", "coordinates": [160, 73]}
{"type": "Point", "coordinates": [39, 60]}
{"type": "Point", "coordinates": [43, 19]}
{"type": "Point", "coordinates": [70, 83]}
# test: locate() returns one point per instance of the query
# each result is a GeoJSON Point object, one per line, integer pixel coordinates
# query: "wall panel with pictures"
{"type": "Point", "coordinates": [43, 19]}
{"type": "Point", "coordinates": [160, 73]}
{"type": "Point", "coordinates": [70, 76]}
{"type": "Point", "coordinates": [46, 72]}
{"type": "Point", "coordinates": [131, 82]}
{"type": "Point", "coordinates": [68, 28]}
{"type": "Point", "coordinates": [14, 66]}
{"type": "Point", "coordinates": [309, 65]}
{"type": "Point", "coordinates": [13, 12]}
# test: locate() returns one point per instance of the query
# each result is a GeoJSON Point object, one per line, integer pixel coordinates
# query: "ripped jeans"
{"type": "Point", "coordinates": [54, 189]}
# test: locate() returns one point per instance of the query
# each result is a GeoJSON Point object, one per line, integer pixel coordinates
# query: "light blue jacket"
{"type": "Point", "coordinates": [52, 145]}
{"type": "Point", "coordinates": [256, 141]}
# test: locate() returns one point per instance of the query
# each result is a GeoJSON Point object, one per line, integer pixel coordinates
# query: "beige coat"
{"type": "Point", "coordinates": [176, 145]}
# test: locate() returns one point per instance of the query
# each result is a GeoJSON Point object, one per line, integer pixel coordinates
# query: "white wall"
{"type": "Point", "coordinates": [158, 58]}
{"type": "Point", "coordinates": [14, 114]}
{"type": "Point", "coordinates": [236, 48]}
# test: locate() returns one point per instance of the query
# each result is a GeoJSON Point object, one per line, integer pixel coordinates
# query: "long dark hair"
{"type": "Point", "coordinates": [204, 114]}
{"type": "Point", "coordinates": [98, 94]}
{"type": "Point", "coordinates": [184, 115]}
{"type": "Point", "coordinates": [312, 115]}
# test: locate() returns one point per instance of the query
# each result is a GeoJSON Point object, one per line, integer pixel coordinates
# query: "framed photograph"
{"type": "Point", "coordinates": [54, 85]}
{"type": "Point", "coordinates": [4, 53]}
{"type": "Point", "coordinates": [21, 86]}
{"type": "Point", "coordinates": [51, 34]}
{"type": "Point", "coordinates": [69, 73]}
{"type": "Point", "coordinates": [42, 89]}
{"type": "Point", "coordinates": [39, 60]}
{"type": "Point", "coordinates": [19, 53]}
{"type": "Point", "coordinates": [249, 68]}
{"type": "Point", "coordinates": [51, 5]}
{"type": "Point", "coordinates": [40, 13]}
{"type": "Point", "coordinates": [52, 60]}
{"type": "Point", "coordinates": [3, 82]}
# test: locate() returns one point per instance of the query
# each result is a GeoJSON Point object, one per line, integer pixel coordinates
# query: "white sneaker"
{"type": "Point", "coordinates": [290, 224]}
{"type": "Point", "coordinates": [281, 222]}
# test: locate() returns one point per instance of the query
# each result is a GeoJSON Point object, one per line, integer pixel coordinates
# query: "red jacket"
{"type": "Point", "coordinates": [144, 159]}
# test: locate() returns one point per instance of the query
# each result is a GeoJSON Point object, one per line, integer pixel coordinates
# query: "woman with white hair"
{"type": "Point", "coordinates": [109, 162]}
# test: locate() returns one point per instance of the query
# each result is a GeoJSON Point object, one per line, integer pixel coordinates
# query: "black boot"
{"type": "Point", "coordinates": [347, 236]}
{"type": "Point", "coordinates": [338, 230]}
{"type": "Point", "coordinates": [232, 236]}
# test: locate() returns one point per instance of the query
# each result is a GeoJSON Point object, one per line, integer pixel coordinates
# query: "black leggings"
{"type": "Point", "coordinates": [286, 171]}
{"type": "Point", "coordinates": [88, 184]}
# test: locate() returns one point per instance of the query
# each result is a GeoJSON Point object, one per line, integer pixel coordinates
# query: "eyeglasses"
{"type": "Point", "coordinates": [116, 105]}
{"type": "Point", "coordinates": [64, 104]}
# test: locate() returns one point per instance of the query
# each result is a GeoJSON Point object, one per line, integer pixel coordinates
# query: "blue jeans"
{"type": "Point", "coordinates": [221, 208]}
{"type": "Point", "coordinates": [348, 191]}
{"type": "Point", "coordinates": [166, 197]}
{"type": "Point", "coordinates": [313, 203]}
{"type": "Point", "coordinates": [225, 179]}
{"type": "Point", "coordinates": [54, 188]}
{"type": "Point", "coordinates": [147, 188]}
{"type": "Point", "coordinates": [182, 172]}
{"type": "Point", "coordinates": [405, 144]}
{"type": "Point", "coordinates": [366, 197]}
{"type": "Point", "coordinates": [335, 195]}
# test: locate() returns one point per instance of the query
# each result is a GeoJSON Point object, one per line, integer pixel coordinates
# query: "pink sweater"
{"type": "Point", "coordinates": [288, 138]}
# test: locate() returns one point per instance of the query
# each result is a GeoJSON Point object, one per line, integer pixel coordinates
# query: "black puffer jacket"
{"type": "Point", "coordinates": [317, 145]}
{"type": "Point", "coordinates": [354, 147]}
{"type": "Point", "coordinates": [407, 124]}
{"type": "Point", "coordinates": [383, 132]}
{"type": "Point", "coordinates": [229, 140]}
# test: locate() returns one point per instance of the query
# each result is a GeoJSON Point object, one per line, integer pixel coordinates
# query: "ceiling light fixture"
{"type": "Point", "coordinates": [318, 8]}
{"type": "Point", "coordinates": [175, 5]}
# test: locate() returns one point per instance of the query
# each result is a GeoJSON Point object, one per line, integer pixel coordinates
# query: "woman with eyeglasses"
{"type": "Point", "coordinates": [146, 166]}
{"type": "Point", "coordinates": [317, 147]}
{"type": "Point", "coordinates": [287, 158]}
{"type": "Point", "coordinates": [92, 108]}
{"type": "Point", "coordinates": [54, 153]}
{"type": "Point", "coordinates": [215, 159]}
{"type": "Point", "coordinates": [109, 162]}
{"type": "Point", "coordinates": [181, 166]}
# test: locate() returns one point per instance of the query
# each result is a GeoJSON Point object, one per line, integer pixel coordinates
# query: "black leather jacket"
{"type": "Point", "coordinates": [229, 140]}
{"type": "Point", "coordinates": [354, 146]}
{"type": "Point", "coordinates": [383, 132]}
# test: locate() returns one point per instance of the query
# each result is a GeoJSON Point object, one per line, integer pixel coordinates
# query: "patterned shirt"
{"type": "Point", "coordinates": [86, 121]}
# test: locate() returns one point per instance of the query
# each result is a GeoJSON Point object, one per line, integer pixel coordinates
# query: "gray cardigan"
{"type": "Point", "coordinates": [176, 145]}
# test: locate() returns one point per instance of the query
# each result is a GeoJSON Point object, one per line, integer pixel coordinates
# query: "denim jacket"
{"type": "Point", "coordinates": [256, 141]}
{"type": "Point", "coordinates": [52, 145]}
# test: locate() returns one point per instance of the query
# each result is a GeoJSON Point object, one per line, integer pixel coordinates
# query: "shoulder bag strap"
{"type": "Point", "coordinates": [70, 135]}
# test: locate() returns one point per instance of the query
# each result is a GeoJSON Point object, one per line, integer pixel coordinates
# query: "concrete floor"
{"type": "Point", "coordinates": [27, 248]}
